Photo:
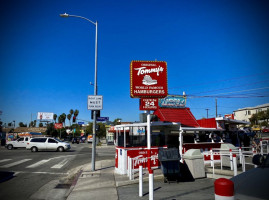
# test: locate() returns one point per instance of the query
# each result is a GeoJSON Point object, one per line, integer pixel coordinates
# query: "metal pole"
{"type": "Point", "coordinates": [95, 93]}
{"type": "Point", "coordinates": [207, 113]}
{"type": "Point", "coordinates": [95, 85]}
{"type": "Point", "coordinates": [149, 139]}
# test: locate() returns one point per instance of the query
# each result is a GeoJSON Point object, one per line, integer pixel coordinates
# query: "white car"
{"type": "Point", "coordinates": [47, 143]}
{"type": "Point", "coordinates": [19, 143]}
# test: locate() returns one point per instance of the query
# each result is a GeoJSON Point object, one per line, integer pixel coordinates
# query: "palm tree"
{"type": "Point", "coordinates": [69, 116]}
{"type": "Point", "coordinates": [63, 118]}
{"type": "Point", "coordinates": [76, 113]}
{"type": "Point", "coordinates": [60, 119]}
{"type": "Point", "coordinates": [71, 113]}
{"type": "Point", "coordinates": [54, 117]}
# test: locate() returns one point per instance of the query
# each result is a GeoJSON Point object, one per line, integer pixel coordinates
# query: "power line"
{"type": "Point", "coordinates": [209, 82]}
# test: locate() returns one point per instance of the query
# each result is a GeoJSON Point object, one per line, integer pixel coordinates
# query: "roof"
{"type": "Point", "coordinates": [255, 107]}
{"type": "Point", "coordinates": [182, 115]}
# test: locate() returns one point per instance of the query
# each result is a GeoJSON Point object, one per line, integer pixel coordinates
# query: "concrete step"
{"type": "Point", "coordinates": [220, 173]}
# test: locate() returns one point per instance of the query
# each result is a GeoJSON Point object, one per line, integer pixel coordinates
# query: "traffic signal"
{"type": "Point", "coordinates": [97, 113]}
{"type": "Point", "coordinates": [74, 119]}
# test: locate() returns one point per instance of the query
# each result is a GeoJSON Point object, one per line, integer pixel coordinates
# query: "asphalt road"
{"type": "Point", "coordinates": [28, 175]}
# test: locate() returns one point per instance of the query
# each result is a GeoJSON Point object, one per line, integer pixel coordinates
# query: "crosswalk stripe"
{"type": "Point", "coordinates": [41, 162]}
{"type": "Point", "coordinates": [15, 163]}
{"type": "Point", "coordinates": [60, 165]}
{"type": "Point", "coordinates": [4, 160]}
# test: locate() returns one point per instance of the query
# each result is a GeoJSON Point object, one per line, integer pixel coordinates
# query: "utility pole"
{"type": "Point", "coordinates": [207, 112]}
{"type": "Point", "coordinates": [216, 107]}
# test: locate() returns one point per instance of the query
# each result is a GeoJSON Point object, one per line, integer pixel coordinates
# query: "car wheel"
{"type": "Point", "coordinates": [34, 149]}
{"type": "Point", "coordinates": [10, 146]}
{"type": "Point", "coordinates": [61, 149]}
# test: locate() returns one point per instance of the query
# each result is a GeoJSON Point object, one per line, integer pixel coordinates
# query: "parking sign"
{"type": "Point", "coordinates": [95, 102]}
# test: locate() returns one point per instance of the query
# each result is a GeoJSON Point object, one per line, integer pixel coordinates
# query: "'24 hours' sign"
{"type": "Point", "coordinates": [148, 79]}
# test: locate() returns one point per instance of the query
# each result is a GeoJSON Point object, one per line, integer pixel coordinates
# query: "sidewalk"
{"type": "Point", "coordinates": [99, 184]}
{"type": "Point", "coordinates": [105, 184]}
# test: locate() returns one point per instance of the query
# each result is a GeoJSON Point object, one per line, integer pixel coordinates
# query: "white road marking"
{"type": "Point", "coordinates": [15, 163]}
{"type": "Point", "coordinates": [52, 173]}
{"type": "Point", "coordinates": [41, 162]}
{"type": "Point", "coordinates": [4, 160]}
{"type": "Point", "coordinates": [60, 165]}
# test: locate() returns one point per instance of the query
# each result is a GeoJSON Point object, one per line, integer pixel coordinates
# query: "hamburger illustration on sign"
{"type": "Point", "coordinates": [148, 79]}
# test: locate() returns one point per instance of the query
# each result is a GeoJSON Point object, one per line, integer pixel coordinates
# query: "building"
{"type": "Point", "coordinates": [244, 114]}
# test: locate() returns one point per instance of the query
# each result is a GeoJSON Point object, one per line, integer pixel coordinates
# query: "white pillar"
{"type": "Point", "coordinates": [140, 180]}
{"type": "Point", "coordinates": [149, 139]}
{"type": "Point", "coordinates": [124, 137]}
{"type": "Point", "coordinates": [235, 164]}
{"type": "Point", "coordinates": [231, 159]}
{"type": "Point", "coordinates": [151, 184]}
{"type": "Point", "coordinates": [211, 157]}
{"type": "Point", "coordinates": [180, 144]}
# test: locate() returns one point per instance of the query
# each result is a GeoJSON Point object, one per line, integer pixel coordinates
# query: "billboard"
{"type": "Point", "coordinates": [148, 79]}
{"type": "Point", "coordinates": [44, 116]}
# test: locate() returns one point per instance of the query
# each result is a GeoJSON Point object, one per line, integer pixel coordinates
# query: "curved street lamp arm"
{"type": "Point", "coordinates": [67, 15]}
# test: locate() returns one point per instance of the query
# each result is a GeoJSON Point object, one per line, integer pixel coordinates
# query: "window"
{"type": "Point", "coordinates": [39, 140]}
{"type": "Point", "coordinates": [21, 139]}
{"type": "Point", "coordinates": [26, 139]}
{"type": "Point", "coordinates": [51, 141]}
{"type": "Point", "coordinates": [249, 112]}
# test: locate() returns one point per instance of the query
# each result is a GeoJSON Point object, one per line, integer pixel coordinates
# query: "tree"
{"type": "Point", "coordinates": [76, 114]}
{"type": "Point", "coordinates": [69, 116]}
{"type": "Point", "coordinates": [63, 118]}
{"type": "Point", "coordinates": [101, 132]}
{"type": "Point", "coordinates": [51, 130]}
{"type": "Point", "coordinates": [116, 121]}
{"type": "Point", "coordinates": [21, 124]}
{"type": "Point", "coordinates": [54, 117]}
{"type": "Point", "coordinates": [71, 112]}
{"type": "Point", "coordinates": [40, 124]}
{"type": "Point", "coordinates": [60, 120]}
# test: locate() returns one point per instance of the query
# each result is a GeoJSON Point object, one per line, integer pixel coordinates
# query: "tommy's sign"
{"type": "Point", "coordinates": [148, 79]}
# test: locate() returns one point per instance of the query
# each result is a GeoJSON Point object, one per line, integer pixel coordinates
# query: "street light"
{"type": "Point", "coordinates": [95, 86]}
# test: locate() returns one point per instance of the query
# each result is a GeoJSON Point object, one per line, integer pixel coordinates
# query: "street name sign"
{"type": "Point", "coordinates": [95, 102]}
{"type": "Point", "coordinates": [102, 119]}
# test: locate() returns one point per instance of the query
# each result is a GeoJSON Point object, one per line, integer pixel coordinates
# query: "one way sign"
{"type": "Point", "coordinates": [95, 102]}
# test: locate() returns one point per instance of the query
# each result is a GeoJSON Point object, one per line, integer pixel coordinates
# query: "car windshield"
{"type": "Point", "coordinates": [57, 140]}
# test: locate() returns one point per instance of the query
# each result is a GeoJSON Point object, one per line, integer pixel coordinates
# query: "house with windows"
{"type": "Point", "coordinates": [244, 114]}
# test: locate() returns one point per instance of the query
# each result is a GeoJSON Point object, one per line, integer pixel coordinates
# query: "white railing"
{"type": "Point", "coordinates": [242, 153]}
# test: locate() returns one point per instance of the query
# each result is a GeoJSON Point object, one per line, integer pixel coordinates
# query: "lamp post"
{"type": "Point", "coordinates": [95, 86]}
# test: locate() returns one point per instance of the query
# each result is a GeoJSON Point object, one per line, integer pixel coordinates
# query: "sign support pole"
{"type": "Point", "coordinates": [149, 139]}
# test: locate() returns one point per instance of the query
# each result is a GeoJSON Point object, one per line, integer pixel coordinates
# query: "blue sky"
{"type": "Point", "coordinates": [218, 48]}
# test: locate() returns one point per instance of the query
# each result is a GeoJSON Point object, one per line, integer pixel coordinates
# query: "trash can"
{"type": "Point", "coordinates": [169, 159]}
{"type": "Point", "coordinates": [195, 162]}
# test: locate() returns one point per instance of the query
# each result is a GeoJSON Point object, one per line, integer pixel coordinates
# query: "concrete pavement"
{"type": "Point", "coordinates": [105, 184]}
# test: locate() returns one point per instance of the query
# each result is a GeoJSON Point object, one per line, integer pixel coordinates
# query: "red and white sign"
{"type": "Point", "coordinates": [229, 116]}
{"type": "Point", "coordinates": [58, 125]}
{"type": "Point", "coordinates": [142, 155]}
{"type": "Point", "coordinates": [148, 79]}
{"type": "Point", "coordinates": [148, 104]}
